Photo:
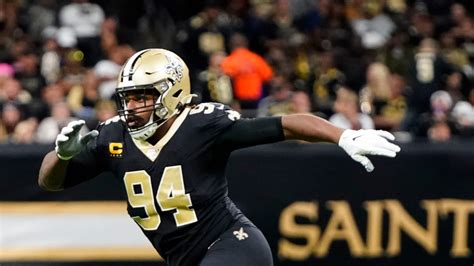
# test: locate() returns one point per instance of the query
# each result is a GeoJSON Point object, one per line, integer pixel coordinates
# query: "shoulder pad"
{"type": "Point", "coordinates": [214, 108]}
{"type": "Point", "coordinates": [110, 120]}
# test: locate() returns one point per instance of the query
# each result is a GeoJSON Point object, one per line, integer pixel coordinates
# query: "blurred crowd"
{"type": "Point", "coordinates": [401, 65]}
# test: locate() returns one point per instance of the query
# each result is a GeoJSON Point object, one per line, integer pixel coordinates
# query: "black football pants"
{"type": "Point", "coordinates": [241, 245]}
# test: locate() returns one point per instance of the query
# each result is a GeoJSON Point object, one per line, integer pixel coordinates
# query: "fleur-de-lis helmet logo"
{"type": "Point", "coordinates": [174, 69]}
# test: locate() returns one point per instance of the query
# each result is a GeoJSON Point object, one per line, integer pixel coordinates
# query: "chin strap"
{"type": "Point", "coordinates": [144, 133]}
{"type": "Point", "coordinates": [148, 131]}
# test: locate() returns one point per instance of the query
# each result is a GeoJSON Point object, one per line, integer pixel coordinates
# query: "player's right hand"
{"type": "Point", "coordinates": [69, 142]}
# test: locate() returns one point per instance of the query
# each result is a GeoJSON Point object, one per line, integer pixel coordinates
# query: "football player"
{"type": "Point", "coordinates": [171, 157]}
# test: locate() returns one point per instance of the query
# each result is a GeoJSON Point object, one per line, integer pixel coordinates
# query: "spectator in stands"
{"type": "Point", "coordinates": [440, 131]}
{"type": "Point", "coordinates": [52, 94]}
{"type": "Point", "coordinates": [213, 84]}
{"type": "Point", "coordinates": [85, 19]}
{"type": "Point", "coordinates": [25, 132]}
{"type": "Point", "coordinates": [73, 70]}
{"type": "Point", "coordinates": [463, 25]}
{"type": "Point", "coordinates": [248, 71]}
{"type": "Point", "coordinates": [281, 22]}
{"type": "Point", "coordinates": [105, 110]}
{"type": "Point", "coordinates": [453, 53]}
{"type": "Point", "coordinates": [458, 86]}
{"type": "Point", "coordinates": [465, 36]}
{"type": "Point", "coordinates": [279, 60]}
{"type": "Point", "coordinates": [303, 60]}
{"type": "Point", "coordinates": [83, 97]}
{"type": "Point", "coordinates": [108, 35]}
{"type": "Point", "coordinates": [324, 81]}
{"type": "Point", "coordinates": [335, 30]}
{"type": "Point", "coordinates": [353, 9]}
{"type": "Point", "coordinates": [438, 10]}
{"type": "Point", "coordinates": [50, 127]}
{"type": "Point", "coordinates": [65, 37]}
{"type": "Point", "coordinates": [41, 15]}
{"type": "Point", "coordinates": [376, 91]}
{"type": "Point", "coordinates": [375, 27]}
{"type": "Point", "coordinates": [6, 74]}
{"type": "Point", "coordinates": [422, 25]}
{"type": "Point", "coordinates": [12, 91]}
{"type": "Point", "coordinates": [437, 124]}
{"type": "Point", "coordinates": [300, 103]}
{"type": "Point", "coordinates": [457, 14]}
{"type": "Point", "coordinates": [28, 73]}
{"type": "Point", "coordinates": [205, 33]}
{"type": "Point", "coordinates": [20, 46]}
{"type": "Point", "coordinates": [59, 45]}
{"type": "Point", "coordinates": [426, 75]}
{"type": "Point", "coordinates": [11, 117]}
{"type": "Point", "coordinates": [279, 101]}
{"type": "Point", "coordinates": [257, 26]}
{"type": "Point", "coordinates": [397, 53]}
{"type": "Point", "coordinates": [107, 71]}
{"type": "Point", "coordinates": [441, 104]}
{"type": "Point", "coordinates": [6, 71]}
{"type": "Point", "coordinates": [8, 26]}
{"type": "Point", "coordinates": [390, 113]}
{"type": "Point", "coordinates": [346, 111]}
{"type": "Point", "coordinates": [50, 62]}
{"type": "Point", "coordinates": [463, 115]}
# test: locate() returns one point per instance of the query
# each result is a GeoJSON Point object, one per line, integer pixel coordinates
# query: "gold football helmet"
{"type": "Point", "coordinates": [158, 72]}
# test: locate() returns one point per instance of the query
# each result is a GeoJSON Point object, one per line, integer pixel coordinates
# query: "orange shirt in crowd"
{"type": "Point", "coordinates": [248, 71]}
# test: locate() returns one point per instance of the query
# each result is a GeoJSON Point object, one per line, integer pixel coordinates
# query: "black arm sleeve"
{"type": "Point", "coordinates": [250, 132]}
{"type": "Point", "coordinates": [84, 166]}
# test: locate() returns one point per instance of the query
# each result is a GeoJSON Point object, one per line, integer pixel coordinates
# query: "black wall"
{"type": "Point", "coordinates": [267, 180]}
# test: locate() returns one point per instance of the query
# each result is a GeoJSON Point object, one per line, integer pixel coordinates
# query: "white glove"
{"type": "Point", "coordinates": [358, 143]}
{"type": "Point", "coordinates": [69, 142]}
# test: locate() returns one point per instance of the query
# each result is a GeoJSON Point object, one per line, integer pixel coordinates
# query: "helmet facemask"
{"type": "Point", "coordinates": [159, 113]}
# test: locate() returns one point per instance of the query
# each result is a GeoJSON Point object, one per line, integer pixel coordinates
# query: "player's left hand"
{"type": "Point", "coordinates": [359, 143]}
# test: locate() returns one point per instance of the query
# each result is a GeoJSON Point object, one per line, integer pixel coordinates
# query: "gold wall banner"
{"type": "Point", "coordinates": [370, 242]}
{"type": "Point", "coordinates": [71, 231]}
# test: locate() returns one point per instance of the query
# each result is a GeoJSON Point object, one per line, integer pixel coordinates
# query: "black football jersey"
{"type": "Point", "coordinates": [176, 188]}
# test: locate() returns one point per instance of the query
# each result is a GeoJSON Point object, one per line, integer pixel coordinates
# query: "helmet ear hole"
{"type": "Point", "coordinates": [176, 94]}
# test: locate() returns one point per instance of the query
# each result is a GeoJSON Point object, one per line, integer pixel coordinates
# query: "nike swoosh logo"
{"type": "Point", "coordinates": [356, 137]}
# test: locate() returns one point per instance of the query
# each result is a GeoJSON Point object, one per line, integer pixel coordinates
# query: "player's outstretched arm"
{"type": "Point", "coordinates": [68, 144]}
{"type": "Point", "coordinates": [310, 128]}
{"type": "Point", "coordinates": [52, 172]}
{"type": "Point", "coordinates": [356, 143]}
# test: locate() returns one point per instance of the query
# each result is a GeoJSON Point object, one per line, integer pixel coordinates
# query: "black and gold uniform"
{"type": "Point", "coordinates": [177, 191]}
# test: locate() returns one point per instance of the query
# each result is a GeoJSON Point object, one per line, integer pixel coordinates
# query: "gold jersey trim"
{"type": "Point", "coordinates": [153, 151]}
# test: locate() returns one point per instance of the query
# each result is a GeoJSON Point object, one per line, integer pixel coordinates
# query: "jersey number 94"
{"type": "Point", "coordinates": [170, 196]}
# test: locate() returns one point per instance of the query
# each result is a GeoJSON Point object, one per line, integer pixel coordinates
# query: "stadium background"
{"type": "Point", "coordinates": [313, 203]}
